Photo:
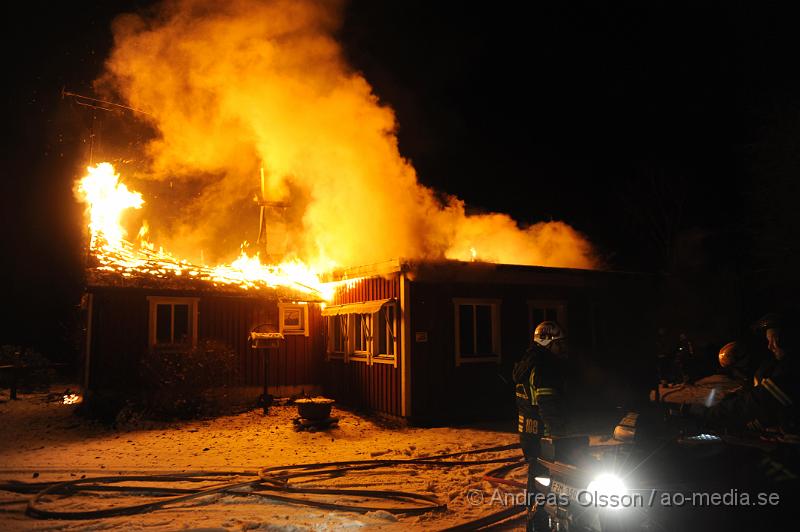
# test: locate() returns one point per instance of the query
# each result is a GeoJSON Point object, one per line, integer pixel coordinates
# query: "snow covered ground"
{"type": "Point", "coordinates": [42, 440]}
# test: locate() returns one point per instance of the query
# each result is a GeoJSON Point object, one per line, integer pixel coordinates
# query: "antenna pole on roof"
{"type": "Point", "coordinates": [96, 103]}
{"type": "Point", "coordinates": [261, 241]}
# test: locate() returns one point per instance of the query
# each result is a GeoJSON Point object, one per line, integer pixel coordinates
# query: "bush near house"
{"type": "Point", "coordinates": [183, 384]}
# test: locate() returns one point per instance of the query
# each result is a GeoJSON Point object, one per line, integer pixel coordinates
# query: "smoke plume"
{"type": "Point", "coordinates": [234, 86]}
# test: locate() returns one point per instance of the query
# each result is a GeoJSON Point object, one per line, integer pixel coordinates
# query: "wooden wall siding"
{"type": "Point", "coordinates": [296, 362]}
{"type": "Point", "coordinates": [119, 337]}
{"type": "Point", "coordinates": [375, 387]}
{"type": "Point", "coordinates": [120, 326]}
{"type": "Point", "coordinates": [369, 289]}
{"type": "Point", "coordinates": [442, 391]}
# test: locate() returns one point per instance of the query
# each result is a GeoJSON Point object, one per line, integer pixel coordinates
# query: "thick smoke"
{"type": "Point", "coordinates": [236, 85]}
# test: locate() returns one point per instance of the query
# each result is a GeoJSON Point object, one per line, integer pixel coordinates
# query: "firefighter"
{"type": "Point", "coordinates": [539, 386]}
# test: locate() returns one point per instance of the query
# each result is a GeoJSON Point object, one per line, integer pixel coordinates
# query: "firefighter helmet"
{"type": "Point", "coordinates": [547, 332]}
{"type": "Point", "coordinates": [732, 354]}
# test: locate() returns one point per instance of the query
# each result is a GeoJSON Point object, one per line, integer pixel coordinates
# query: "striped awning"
{"type": "Point", "coordinates": [366, 307]}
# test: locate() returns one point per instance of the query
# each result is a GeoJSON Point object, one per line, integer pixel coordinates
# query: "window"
{"type": "Point", "coordinates": [386, 334]}
{"type": "Point", "coordinates": [362, 335]}
{"type": "Point", "coordinates": [337, 335]}
{"type": "Point", "coordinates": [477, 330]}
{"type": "Point", "coordinates": [293, 318]}
{"type": "Point", "coordinates": [173, 321]}
{"type": "Point", "coordinates": [364, 332]}
{"type": "Point", "coordinates": [543, 310]}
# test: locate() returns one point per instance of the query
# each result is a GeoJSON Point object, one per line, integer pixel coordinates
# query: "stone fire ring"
{"type": "Point", "coordinates": [314, 408]}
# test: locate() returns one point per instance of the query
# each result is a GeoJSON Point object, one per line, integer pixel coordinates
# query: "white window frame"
{"type": "Point", "coordinates": [376, 323]}
{"type": "Point", "coordinates": [154, 301]}
{"type": "Point", "coordinates": [380, 325]}
{"type": "Point", "coordinates": [366, 331]}
{"type": "Point", "coordinates": [330, 351]}
{"type": "Point", "coordinates": [303, 308]}
{"type": "Point", "coordinates": [494, 305]}
{"type": "Point", "coordinates": [559, 305]}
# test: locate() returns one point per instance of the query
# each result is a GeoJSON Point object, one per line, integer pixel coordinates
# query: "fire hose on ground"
{"type": "Point", "coordinates": [270, 483]}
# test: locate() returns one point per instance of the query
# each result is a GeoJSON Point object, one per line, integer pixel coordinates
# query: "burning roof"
{"type": "Point", "coordinates": [99, 276]}
{"type": "Point", "coordinates": [116, 261]}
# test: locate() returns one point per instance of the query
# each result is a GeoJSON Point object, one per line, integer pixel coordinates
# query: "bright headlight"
{"type": "Point", "coordinates": [609, 488]}
{"type": "Point", "coordinates": [544, 481]}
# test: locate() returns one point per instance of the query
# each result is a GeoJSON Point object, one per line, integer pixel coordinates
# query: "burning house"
{"type": "Point", "coordinates": [413, 338]}
{"type": "Point", "coordinates": [422, 340]}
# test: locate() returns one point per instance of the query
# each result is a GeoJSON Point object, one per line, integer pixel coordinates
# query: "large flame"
{"type": "Point", "coordinates": [106, 201]}
{"type": "Point", "coordinates": [231, 86]}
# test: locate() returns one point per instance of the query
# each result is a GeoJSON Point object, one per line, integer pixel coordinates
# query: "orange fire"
{"type": "Point", "coordinates": [107, 200]}
{"type": "Point", "coordinates": [233, 86]}
{"type": "Point", "coordinates": [72, 399]}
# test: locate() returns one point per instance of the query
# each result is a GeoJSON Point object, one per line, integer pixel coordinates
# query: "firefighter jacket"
{"type": "Point", "coordinates": [539, 386]}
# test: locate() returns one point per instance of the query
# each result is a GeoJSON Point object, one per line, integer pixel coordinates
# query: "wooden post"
{"type": "Point", "coordinates": [263, 343]}
{"type": "Point", "coordinates": [15, 375]}
{"type": "Point", "coordinates": [265, 396]}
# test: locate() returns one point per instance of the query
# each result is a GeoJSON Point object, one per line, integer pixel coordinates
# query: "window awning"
{"type": "Point", "coordinates": [367, 307]}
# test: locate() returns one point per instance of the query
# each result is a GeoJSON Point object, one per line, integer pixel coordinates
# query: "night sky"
{"type": "Point", "coordinates": [668, 135]}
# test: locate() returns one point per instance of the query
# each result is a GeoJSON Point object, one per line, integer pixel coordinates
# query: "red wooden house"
{"type": "Point", "coordinates": [436, 341]}
{"type": "Point", "coordinates": [428, 342]}
{"type": "Point", "coordinates": [126, 317]}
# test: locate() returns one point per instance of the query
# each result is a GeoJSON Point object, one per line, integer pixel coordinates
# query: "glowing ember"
{"type": "Point", "coordinates": [72, 399]}
{"type": "Point", "coordinates": [107, 199]}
